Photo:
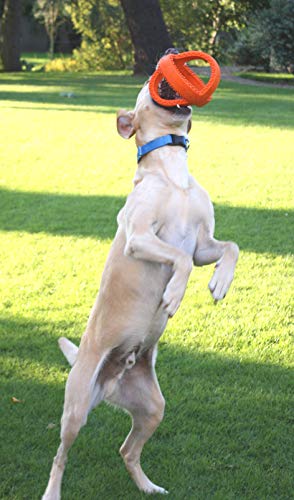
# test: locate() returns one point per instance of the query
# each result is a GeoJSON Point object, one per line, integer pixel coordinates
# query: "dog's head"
{"type": "Point", "coordinates": [149, 120]}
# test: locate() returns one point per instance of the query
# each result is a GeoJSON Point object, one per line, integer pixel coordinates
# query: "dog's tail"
{"type": "Point", "coordinates": [69, 350]}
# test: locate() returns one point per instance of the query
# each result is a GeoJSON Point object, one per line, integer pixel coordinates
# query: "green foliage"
{"type": "Point", "coordinates": [193, 24]}
{"type": "Point", "coordinates": [269, 39]}
{"type": "Point", "coordinates": [188, 23]}
{"type": "Point", "coordinates": [224, 370]}
{"type": "Point", "coordinates": [209, 26]}
{"type": "Point", "coordinates": [62, 64]}
{"type": "Point", "coordinates": [52, 14]}
{"type": "Point", "coordinates": [105, 38]}
{"type": "Point", "coordinates": [280, 21]}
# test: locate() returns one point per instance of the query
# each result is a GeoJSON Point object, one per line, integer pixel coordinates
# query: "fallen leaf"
{"type": "Point", "coordinates": [15, 400]}
{"type": "Point", "coordinates": [51, 425]}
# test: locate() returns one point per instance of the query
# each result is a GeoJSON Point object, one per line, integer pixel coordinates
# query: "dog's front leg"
{"type": "Point", "coordinates": [146, 245]}
{"type": "Point", "coordinates": [224, 253]}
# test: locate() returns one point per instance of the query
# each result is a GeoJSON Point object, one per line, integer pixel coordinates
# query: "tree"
{"type": "Point", "coordinates": [1, 8]}
{"type": "Point", "coordinates": [204, 25]}
{"type": "Point", "coordinates": [148, 32]}
{"type": "Point", "coordinates": [152, 26]}
{"type": "Point", "coordinates": [10, 35]}
{"type": "Point", "coordinates": [52, 14]}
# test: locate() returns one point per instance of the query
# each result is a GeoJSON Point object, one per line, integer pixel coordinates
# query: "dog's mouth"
{"type": "Point", "coordinates": [165, 91]}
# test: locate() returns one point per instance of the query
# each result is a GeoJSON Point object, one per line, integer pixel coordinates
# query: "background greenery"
{"type": "Point", "coordinates": [226, 371]}
{"type": "Point", "coordinates": [247, 32]}
{"type": "Point", "coordinates": [124, 34]}
{"type": "Point", "coordinates": [267, 40]}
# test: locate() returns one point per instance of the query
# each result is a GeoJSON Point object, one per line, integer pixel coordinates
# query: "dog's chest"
{"type": "Point", "coordinates": [180, 224]}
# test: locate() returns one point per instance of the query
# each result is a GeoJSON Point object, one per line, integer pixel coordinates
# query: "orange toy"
{"type": "Point", "coordinates": [189, 87]}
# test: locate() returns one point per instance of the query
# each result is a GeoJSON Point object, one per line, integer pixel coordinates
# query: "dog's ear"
{"type": "Point", "coordinates": [189, 126]}
{"type": "Point", "coordinates": [124, 123]}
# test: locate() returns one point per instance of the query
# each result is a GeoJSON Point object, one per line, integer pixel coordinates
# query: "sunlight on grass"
{"type": "Point", "coordinates": [268, 77]}
{"type": "Point", "coordinates": [225, 370]}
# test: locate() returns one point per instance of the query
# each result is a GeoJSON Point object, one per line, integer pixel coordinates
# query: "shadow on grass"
{"type": "Point", "coordinates": [59, 214]}
{"type": "Point", "coordinates": [74, 80]}
{"type": "Point", "coordinates": [227, 431]}
{"type": "Point", "coordinates": [254, 229]}
{"type": "Point", "coordinates": [105, 101]}
{"type": "Point", "coordinates": [232, 104]}
{"type": "Point", "coordinates": [98, 91]}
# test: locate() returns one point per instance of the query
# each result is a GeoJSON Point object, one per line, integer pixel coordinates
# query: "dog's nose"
{"type": "Point", "coordinates": [172, 50]}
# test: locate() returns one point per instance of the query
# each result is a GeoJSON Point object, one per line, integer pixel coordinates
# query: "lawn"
{"type": "Point", "coordinates": [268, 77]}
{"type": "Point", "coordinates": [226, 371]}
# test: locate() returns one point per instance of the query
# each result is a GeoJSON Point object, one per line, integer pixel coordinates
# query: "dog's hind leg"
{"type": "Point", "coordinates": [81, 388]}
{"type": "Point", "coordinates": [139, 393]}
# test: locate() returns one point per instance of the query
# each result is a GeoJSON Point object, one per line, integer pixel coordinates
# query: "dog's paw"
{"type": "Point", "coordinates": [50, 496]}
{"type": "Point", "coordinates": [176, 287]}
{"type": "Point", "coordinates": [172, 299]}
{"type": "Point", "coordinates": [152, 489]}
{"type": "Point", "coordinates": [220, 282]}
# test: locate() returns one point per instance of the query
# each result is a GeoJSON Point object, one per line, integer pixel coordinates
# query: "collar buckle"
{"type": "Point", "coordinates": [180, 140]}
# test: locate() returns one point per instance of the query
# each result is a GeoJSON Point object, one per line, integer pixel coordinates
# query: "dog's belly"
{"type": "Point", "coordinates": [128, 310]}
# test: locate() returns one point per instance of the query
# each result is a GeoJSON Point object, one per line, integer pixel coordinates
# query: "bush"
{"type": "Point", "coordinates": [99, 55]}
{"type": "Point", "coordinates": [269, 39]}
{"type": "Point", "coordinates": [246, 51]}
{"type": "Point", "coordinates": [106, 41]}
{"type": "Point", "coordinates": [89, 57]}
{"type": "Point", "coordinates": [62, 64]}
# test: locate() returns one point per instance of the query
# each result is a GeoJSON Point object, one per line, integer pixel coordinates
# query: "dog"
{"type": "Point", "coordinates": [165, 227]}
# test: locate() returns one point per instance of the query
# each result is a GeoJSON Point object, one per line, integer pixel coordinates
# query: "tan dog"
{"type": "Point", "coordinates": [166, 225]}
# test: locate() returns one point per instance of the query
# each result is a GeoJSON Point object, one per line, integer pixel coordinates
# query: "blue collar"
{"type": "Point", "coordinates": [170, 139]}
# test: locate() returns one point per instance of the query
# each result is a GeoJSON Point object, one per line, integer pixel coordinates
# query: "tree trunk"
{"type": "Point", "coordinates": [1, 7]}
{"type": "Point", "coordinates": [51, 41]}
{"type": "Point", "coordinates": [10, 39]}
{"type": "Point", "coordinates": [148, 31]}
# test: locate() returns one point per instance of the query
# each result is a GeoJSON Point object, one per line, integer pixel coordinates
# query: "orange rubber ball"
{"type": "Point", "coordinates": [181, 78]}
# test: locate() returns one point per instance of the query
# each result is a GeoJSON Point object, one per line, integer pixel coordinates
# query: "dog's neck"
{"type": "Point", "coordinates": [160, 142]}
{"type": "Point", "coordinates": [170, 162]}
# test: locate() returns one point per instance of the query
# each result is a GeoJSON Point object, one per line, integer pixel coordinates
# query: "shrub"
{"type": "Point", "coordinates": [62, 64]}
{"type": "Point", "coordinates": [268, 41]}
{"type": "Point", "coordinates": [106, 41]}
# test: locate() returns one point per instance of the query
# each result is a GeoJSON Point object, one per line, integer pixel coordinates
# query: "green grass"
{"type": "Point", "coordinates": [36, 58]}
{"type": "Point", "coordinates": [268, 77]}
{"type": "Point", "coordinates": [226, 371]}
